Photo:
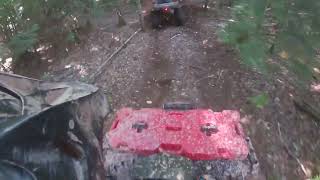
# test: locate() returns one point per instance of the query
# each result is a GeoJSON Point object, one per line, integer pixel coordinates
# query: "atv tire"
{"type": "Point", "coordinates": [179, 16]}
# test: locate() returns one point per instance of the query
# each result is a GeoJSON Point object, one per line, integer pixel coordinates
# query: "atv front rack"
{"type": "Point", "coordinates": [178, 142]}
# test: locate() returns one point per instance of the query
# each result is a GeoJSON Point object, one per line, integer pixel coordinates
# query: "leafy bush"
{"type": "Point", "coordinates": [278, 29]}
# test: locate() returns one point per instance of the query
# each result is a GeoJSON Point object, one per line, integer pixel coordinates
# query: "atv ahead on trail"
{"type": "Point", "coordinates": [178, 142]}
{"type": "Point", "coordinates": [163, 11]}
{"type": "Point", "coordinates": [166, 10]}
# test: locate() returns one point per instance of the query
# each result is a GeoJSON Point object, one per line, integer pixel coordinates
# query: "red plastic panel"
{"type": "Point", "coordinates": [196, 134]}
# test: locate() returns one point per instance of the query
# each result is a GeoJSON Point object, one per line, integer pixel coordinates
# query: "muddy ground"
{"type": "Point", "coordinates": [189, 63]}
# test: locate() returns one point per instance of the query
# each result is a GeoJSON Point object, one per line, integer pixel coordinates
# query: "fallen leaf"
{"type": "Point", "coordinates": [317, 70]}
{"type": "Point", "coordinates": [205, 42]}
{"type": "Point", "coordinates": [315, 88]}
{"type": "Point", "coordinates": [284, 55]}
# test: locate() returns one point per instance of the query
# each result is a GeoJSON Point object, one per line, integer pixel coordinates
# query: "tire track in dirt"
{"type": "Point", "coordinates": [185, 53]}
{"type": "Point", "coordinates": [174, 64]}
{"type": "Point", "coordinates": [157, 78]}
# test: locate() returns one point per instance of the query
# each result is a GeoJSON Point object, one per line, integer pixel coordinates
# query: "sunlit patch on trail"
{"type": "Point", "coordinates": [315, 88]}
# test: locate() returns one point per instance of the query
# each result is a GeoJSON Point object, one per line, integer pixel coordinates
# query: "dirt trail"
{"type": "Point", "coordinates": [169, 76]}
{"type": "Point", "coordinates": [175, 66]}
{"type": "Point", "coordinates": [189, 64]}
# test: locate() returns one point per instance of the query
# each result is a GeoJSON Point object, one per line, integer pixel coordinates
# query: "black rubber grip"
{"type": "Point", "coordinates": [178, 106]}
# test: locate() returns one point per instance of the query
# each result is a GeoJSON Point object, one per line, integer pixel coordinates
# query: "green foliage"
{"type": "Point", "coordinates": [71, 37]}
{"type": "Point", "coordinates": [260, 101]}
{"type": "Point", "coordinates": [278, 29]}
{"type": "Point", "coordinates": [8, 18]}
{"type": "Point", "coordinates": [316, 178]}
{"type": "Point", "coordinates": [24, 41]}
{"type": "Point", "coordinates": [246, 34]}
{"type": "Point", "coordinates": [109, 3]}
{"type": "Point", "coordinates": [23, 23]}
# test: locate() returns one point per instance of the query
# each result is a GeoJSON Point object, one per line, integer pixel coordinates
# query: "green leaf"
{"type": "Point", "coordinates": [260, 101]}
